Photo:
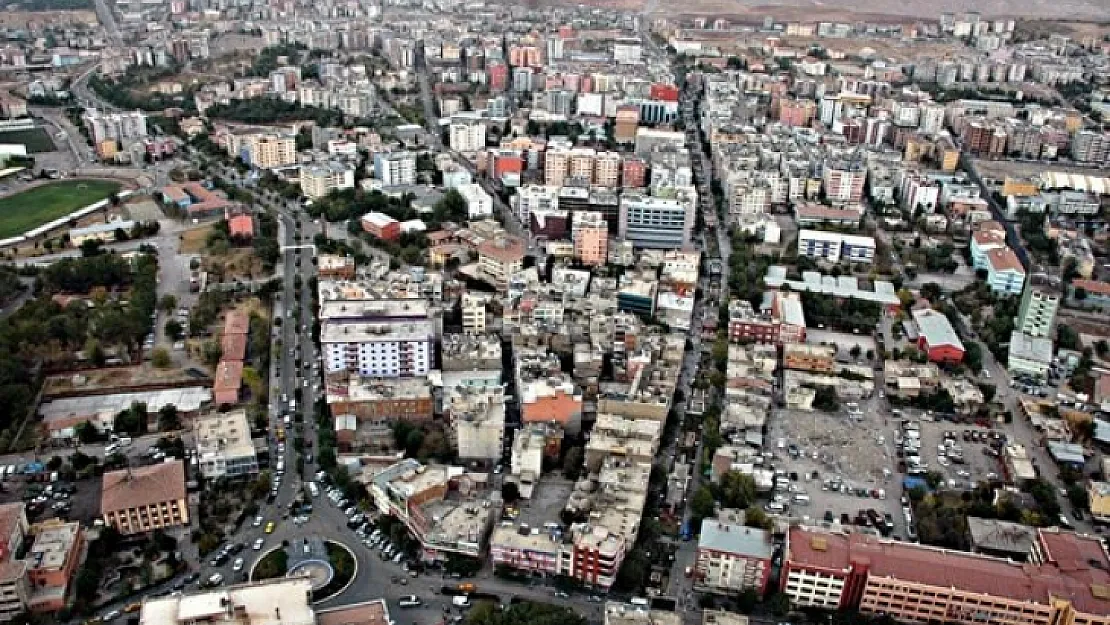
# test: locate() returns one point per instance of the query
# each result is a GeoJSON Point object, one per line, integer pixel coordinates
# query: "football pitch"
{"type": "Point", "coordinates": [32, 208]}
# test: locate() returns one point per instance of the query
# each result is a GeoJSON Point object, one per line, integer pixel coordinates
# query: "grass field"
{"type": "Point", "coordinates": [32, 208]}
{"type": "Point", "coordinates": [37, 139]}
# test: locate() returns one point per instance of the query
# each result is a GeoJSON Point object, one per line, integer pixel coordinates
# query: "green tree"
{"type": "Point", "coordinates": [211, 352]}
{"type": "Point", "coordinates": [703, 504]}
{"type": "Point", "coordinates": [174, 330]}
{"type": "Point", "coordinates": [737, 490]}
{"type": "Point", "coordinates": [167, 303]}
{"type": "Point", "coordinates": [168, 418]}
{"type": "Point", "coordinates": [160, 358]}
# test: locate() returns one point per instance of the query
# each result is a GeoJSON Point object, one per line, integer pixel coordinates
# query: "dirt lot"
{"type": "Point", "coordinates": [1001, 169]}
{"type": "Point", "coordinates": [192, 240]}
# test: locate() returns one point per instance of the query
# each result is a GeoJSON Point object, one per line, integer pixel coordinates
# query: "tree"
{"type": "Point", "coordinates": [737, 490]}
{"type": "Point", "coordinates": [703, 504]}
{"type": "Point", "coordinates": [855, 351]}
{"type": "Point", "coordinates": [91, 247]}
{"type": "Point", "coordinates": [167, 303]}
{"type": "Point", "coordinates": [160, 358]}
{"type": "Point", "coordinates": [756, 517]}
{"type": "Point", "coordinates": [211, 352]}
{"type": "Point", "coordinates": [174, 330]}
{"type": "Point", "coordinates": [572, 462]}
{"type": "Point", "coordinates": [168, 418]}
{"type": "Point", "coordinates": [1066, 337]}
{"type": "Point", "coordinates": [931, 291]}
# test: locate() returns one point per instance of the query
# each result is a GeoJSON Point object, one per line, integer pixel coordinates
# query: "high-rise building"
{"type": "Point", "coordinates": [656, 222]}
{"type": "Point", "coordinates": [379, 338]}
{"type": "Point", "coordinates": [590, 233]}
{"type": "Point", "coordinates": [321, 179]}
{"type": "Point", "coordinates": [467, 136]}
{"type": "Point", "coordinates": [395, 168]}
{"type": "Point", "coordinates": [843, 182]}
{"type": "Point", "coordinates": [1039, 303]}
{"type": "Point", "coordinates": [269, 150]}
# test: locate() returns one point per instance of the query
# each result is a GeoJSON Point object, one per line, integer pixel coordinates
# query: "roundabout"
{"type": "Point", "coordinates": [328, 564]}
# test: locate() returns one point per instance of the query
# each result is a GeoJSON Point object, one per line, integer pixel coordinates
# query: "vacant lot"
{"type": "Point", "coordinates": [37, 139]}
{"type": "Point", "coordinates": [32, 208]}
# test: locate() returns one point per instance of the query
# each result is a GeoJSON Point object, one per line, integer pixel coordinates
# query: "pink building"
{"type": "Point", "coordinates": [591, 238]}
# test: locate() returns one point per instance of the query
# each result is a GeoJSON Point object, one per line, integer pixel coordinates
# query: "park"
{"type": "Point", "coordinates": [34, 207]}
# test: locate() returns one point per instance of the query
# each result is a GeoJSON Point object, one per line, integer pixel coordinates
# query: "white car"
{"type": "Point", "coordinates": [257, 521]}
{"type": "Point", "coordinates": [257, 546]}
{"type": "Point", "coordinates": [238, 566]}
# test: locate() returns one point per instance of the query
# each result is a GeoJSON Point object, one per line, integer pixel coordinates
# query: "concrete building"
{"type": "Point", "coordinates": [477, 419]}
{"type": "Point", "coordinates": [381, 226]}
{"type": "Point", "coordinates": [834, 247]}
{"type": "Point", "coordinates": [224, 446]}
{"type": "Point", "coordinates": [937, 338]}
{"type": "Point", "coordinates": [395, 168]}
{"type": "Point", "coordinates": [123, 127]}
{"type": "Point", "coordinates": [655, 222]}
{"type": "Point", "coordinates": [843, 182]}
{"type": "Point", "coordinates": [281, 601]}
{"type": "Point", "coordinates": [479, 204]}
{"type": "Point", "coordinates": [467, 137]}
{"type": "Point", "coordinates": [1062, 582]}
{"type": "Point", "coordinates": [268, 150]}
{"type": "Point", "coordinates": [542, 401]}
{"type": "Point", "coordinates": [590, 233]}
{"type": "Point", "coordinates": [320, 180]}
{"type": "Point", "coordinates": [499, 258]}
{"type": "Point", "coordinates": [1029, 355]}
{"type": "Point", "coordinates": [1039, 302]}
{"type": "Point", "coordinates": [379, 349]}
{"type": "Point", "coordinates": [473, 313]}
{"type": "Point", "coordinates": [1005, 273]}
{"type": "Point", "coordinates": [15, 588]}
{"type": "Point", "coordinates": [145, 498]}
{"type": "Point", "coordinates": [732, 558]}
{"type": "Point", "coordinates": [104, 232]}
{"type": "Point", "coordinates": [56, 552]}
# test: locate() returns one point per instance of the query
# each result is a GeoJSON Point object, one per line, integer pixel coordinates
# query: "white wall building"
{"type": "Point", "coordinates": [479, 204]}
{"type": "Point", "coordinates": [467, 137]}
{"type": "Point", "coordinates": [320, 180]}
{"type": "Point", "coordinates": [395, 168]}
{"type": "Point", "coordinates": [834, 247]}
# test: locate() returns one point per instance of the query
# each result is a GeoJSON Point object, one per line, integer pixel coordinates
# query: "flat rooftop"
{"type": "Point", "coordinates": [186, 399]}
{"type": "Point", "coordinates": [272, 602]}
{"type": "Point", "coordinates": [369, 332]}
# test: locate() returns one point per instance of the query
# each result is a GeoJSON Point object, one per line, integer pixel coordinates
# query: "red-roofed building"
{"type": "Point", "coordinates": [1066, 580]}
{"type": "Point", "coordinates": [229, 377]}
{"type": "Point", "coordinates": [666, 93]}
{"type": "Point", "coordinates": [241, 226]}
{"type": "Point", "coordinates": [237, 322]}
{"type": "Point", "coordinates": [233, 347]}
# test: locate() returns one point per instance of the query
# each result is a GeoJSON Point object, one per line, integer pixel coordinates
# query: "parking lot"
{"type": "Point", "coordinates": [843, 462]}
{"type": "Point", "coordinates": [968, 458]}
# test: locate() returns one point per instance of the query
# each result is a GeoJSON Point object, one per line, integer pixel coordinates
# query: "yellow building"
{"type": "Point", "coordinates": [1019, 187]}
{"type": "Point", "coordinates": [1099, 495]}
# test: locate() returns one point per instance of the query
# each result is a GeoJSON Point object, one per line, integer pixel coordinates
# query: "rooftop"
{"type": "Point", "coordinates": [359, 389]}
{"type": "Point", "coordinates": [53, 540]}
{"type": "Point", "coordinates": [738, 539]}
{"type": "Point", "coordinates": [374, 612]}
{"type": "Point", "coordinates": [363, 332]}
{"type": "Point", "coordinates": [936, 328]}
{"type": "Point", "coordinates": [1000, 536]}
{"type": "Point", "coordinates": [141, 486]}
{"type": "Point", "coordinates": [271, 602]}
{"type": "Point", "coordinates": [1037, 349]}
{"type": "Point", "coordinates": [227, 434]}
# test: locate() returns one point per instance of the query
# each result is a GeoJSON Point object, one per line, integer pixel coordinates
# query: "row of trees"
{"type": "Point", "coordinates": [265, 110]}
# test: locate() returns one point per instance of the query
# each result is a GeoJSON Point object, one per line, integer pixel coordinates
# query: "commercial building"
{"type": "Point", "coordinates": [834, 247]}
{"type": "Point", "coordinates": [281, 601]}
{"type": "Point", "coordinates": [1065, 580]}
{"type": "Point", "coordinates": [732, 558]}
{"type": "Point", "coordinates": [656, 222]}
{"type": "Point", "coordinates": [224, 445]}
{"type": "Point", "coordinates": [103, 232]}
{"type": "Point", "coordinates": [381, 226]}
{"type": "Point", "coordinates": [1039, 302]}
{"type": "Point", "coordinates": [395, 168]}
{"type": "Point", "coordinates": [937, 338]}
{"type": "Point", "coordinates": [321, 179]}
{"type": "Point", "coordinates": [1029, 355]}
{"type": "Point", "coordinates": [143, 499]}
{"type": "Point", "coordinates": [436, 503]}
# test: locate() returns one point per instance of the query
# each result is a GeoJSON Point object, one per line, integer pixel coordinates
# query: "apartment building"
{"type": "Point", "coordinates": [56, 552]}
{"type": "Point", "coordinates": [1029, 355]}
{"type": "Point", "coordinates": [268, 150]}
{"type": "Point", "coordinates": [15, 590]}
{"type": "Point", "coordinates": [477, 419]}
{"type": "Point", "coordinates": [834, 247]}
{"type": "Point", "coordinates": [732, 558]}
{"type": "Point", "coordinates": [336, 267]}
{"type": "Point", "coordinates": [395, 168]}
{"type": "Point", "coordinates": [607, 169]}
{"type": "Point", "coordinates": [535, 198]}
{"type": "Point", "coordinates": [143, 499]}
{"type": "Point", "coordinates": [467, 136]}
{"type": "Point", "coordinates": [843, 182]}
{"type": "Point", "coordinates": [365, 408]}
{"type": "Point", "coordinates": [1005, 273]}
{"type": "Point", "coordinates": [499, 258]}
{"type": "Point", "coordinates": [1064, 581]}
{"type": "Point", "coordinates": [784, 324]}
{"type": "Point", "coordinates": [479, 204]}
{"type": "Point", "coordinates": [321, 179]}
{"type": "Point", "coordinates": [281, 601]}
{"type": "Point", "coordinates": [473, 313]}
{"type": "Point", "coordinates": [656, 222]}
{"type": "Point", "coordinates": [986, 236]}
{"type": "Point", "coordinates": [120, 127]}
{"type": "Point", "coordinates": [590, 233]}
{"type": "Point", "coordinates": [224, 446]}
{"type": "Point", "coordinates": [1039, 302]}
{"type": "Point", "coordinates": [1091, 146]}
{"type": "Point", "coordinates": [552, 401]}
{"type": "Point", "coordinates": [379, 348]}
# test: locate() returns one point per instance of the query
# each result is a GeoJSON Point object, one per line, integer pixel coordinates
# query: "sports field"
{"type": "Point", "coordinates": [36, 139]}
{"type": "Point", "coordinates": [32, 208]}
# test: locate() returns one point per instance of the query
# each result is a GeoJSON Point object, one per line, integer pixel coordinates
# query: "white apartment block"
{"type": "Point", "coordinates": [379, 349]}
{"type": "Point", "coordinates": [479, 204]}
{"type": "Point", "coordinates": [477, 418]}
{"type": "Point", "coordinates": [607, 169]}
{"type": "Point", "coordinates": [835, 247]}
{"type": "Point", "coordinates": [467, 137]}
{"type": "Point", "coordinates": [844, 183]}
{"type": "Point", "coordinates": [395, 168]}
{"type": "Point", "coordinates": [473, 313]}
{"type": "Point", "coordinates": [115, 126]}
{"type": "Point", "coordinates": [533, 197]}
{"type": "Point", "coordinates": [320, 180]}
{"type": "Point", "coordinates": [1039, 303]}
{"type": "Point", "coordinates": [657, 223]}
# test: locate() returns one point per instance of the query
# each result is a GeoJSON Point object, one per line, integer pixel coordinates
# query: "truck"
{"type": "Point", "coordinates": [465, 587]}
